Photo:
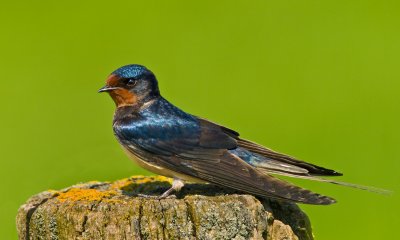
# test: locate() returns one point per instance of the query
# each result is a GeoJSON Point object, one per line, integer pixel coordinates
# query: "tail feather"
{"type": "Point", "coordinates": [319, 179]}
{"type": "Point", "coordinates": [282, 158]}
{"type": "Point", "coordinates": [270, 162]}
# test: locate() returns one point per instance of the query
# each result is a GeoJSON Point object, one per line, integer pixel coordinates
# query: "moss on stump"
{"type": "Point", "coordinates": [112, 210]}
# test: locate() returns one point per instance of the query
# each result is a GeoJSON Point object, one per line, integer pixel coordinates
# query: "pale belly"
{"type": "Point", "coordinates": [160, 170]}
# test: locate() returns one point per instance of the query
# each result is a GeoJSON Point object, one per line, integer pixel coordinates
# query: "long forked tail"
{"type": "Point", "coordinates": [319, 179]}
{"type": "Point", "coordinates": [279, 161]}
{"type": "Point", "coordinates": [268, 162]}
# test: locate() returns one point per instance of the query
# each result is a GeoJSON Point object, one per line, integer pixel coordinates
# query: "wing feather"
{"type": "Point", "coordinates": [275, 159]}
{"type": "Point", "coordinates": [270, 154]}
{"type": "Point", "coordinates": [201, 149]}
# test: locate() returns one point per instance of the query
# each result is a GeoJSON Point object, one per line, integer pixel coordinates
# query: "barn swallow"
{"type": "Point", "coordinates": [165, 140]}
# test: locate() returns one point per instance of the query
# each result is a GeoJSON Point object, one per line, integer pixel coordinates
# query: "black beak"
{"type": "Point", "coordinates": [107, 89]}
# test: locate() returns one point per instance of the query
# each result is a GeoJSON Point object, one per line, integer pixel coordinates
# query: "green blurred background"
{"type": "Point", "coordinates": [315, 79]}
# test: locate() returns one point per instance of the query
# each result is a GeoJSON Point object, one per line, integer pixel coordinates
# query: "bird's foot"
{"type": "Point", "coordinates": [172, 196]}
{"type": "Point", "coordinates": [147, 196]}
{"type": "Point", "coordinates": [177, 184]}
{"type": "Point", "coordinates": [156, 197]}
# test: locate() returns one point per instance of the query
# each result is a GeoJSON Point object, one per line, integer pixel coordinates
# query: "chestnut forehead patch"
{"type": "Point", "coordinates": [112, 80]}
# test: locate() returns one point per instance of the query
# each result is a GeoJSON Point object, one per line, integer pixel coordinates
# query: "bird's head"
{"type": "Point", "coordinates": [131, 85]}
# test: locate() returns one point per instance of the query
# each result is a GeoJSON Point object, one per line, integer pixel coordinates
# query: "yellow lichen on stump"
{"type": "Point", "coordinates": [77, 194]}
{"type": "Point", "coordinates": [113, 210]}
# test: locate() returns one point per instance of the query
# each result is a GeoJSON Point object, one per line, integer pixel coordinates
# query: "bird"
{"type": "Point", "coordinates": [166, 140]}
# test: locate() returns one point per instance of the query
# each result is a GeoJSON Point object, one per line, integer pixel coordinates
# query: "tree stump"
{"type": "Point", "coordinates": [113, 210]}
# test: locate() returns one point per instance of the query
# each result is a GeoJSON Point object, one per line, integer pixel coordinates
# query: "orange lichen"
{"type": "Point", "coordinates": [76, 194]}
{"type": "Point", "coordinates": [126, 182]}
{"type": "Point", "coordinates": [52, 191]}
{"type": "Point", "coordinates": [121, 183]}
{"type": "Point", "coordinates": [143, 179]}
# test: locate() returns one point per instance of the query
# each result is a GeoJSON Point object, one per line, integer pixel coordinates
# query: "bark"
{"type": "Point", "coordinates": [112, 210]}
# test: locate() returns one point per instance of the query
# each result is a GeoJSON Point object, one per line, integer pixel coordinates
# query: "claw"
{"type": "Point", "coordinates": [147, 196]}
{"type": "Point", "coordinates": [177, 184]}
{"type": "Point", "coordinates": [172, 196]}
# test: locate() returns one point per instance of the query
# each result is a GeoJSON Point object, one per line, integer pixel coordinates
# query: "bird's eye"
{"type": "Point", "coordinates": [130, 82]}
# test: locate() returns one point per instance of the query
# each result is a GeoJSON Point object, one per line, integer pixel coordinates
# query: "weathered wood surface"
{"type": "Point", "coordinates": [112, 210]}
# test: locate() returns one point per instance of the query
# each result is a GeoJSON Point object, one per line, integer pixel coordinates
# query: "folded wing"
{"type": "Point", "coordinates": [205, 153]}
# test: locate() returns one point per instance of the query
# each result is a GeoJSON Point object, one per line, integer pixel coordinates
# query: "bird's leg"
{"type": "Point", "coordinates": [177, 185]}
